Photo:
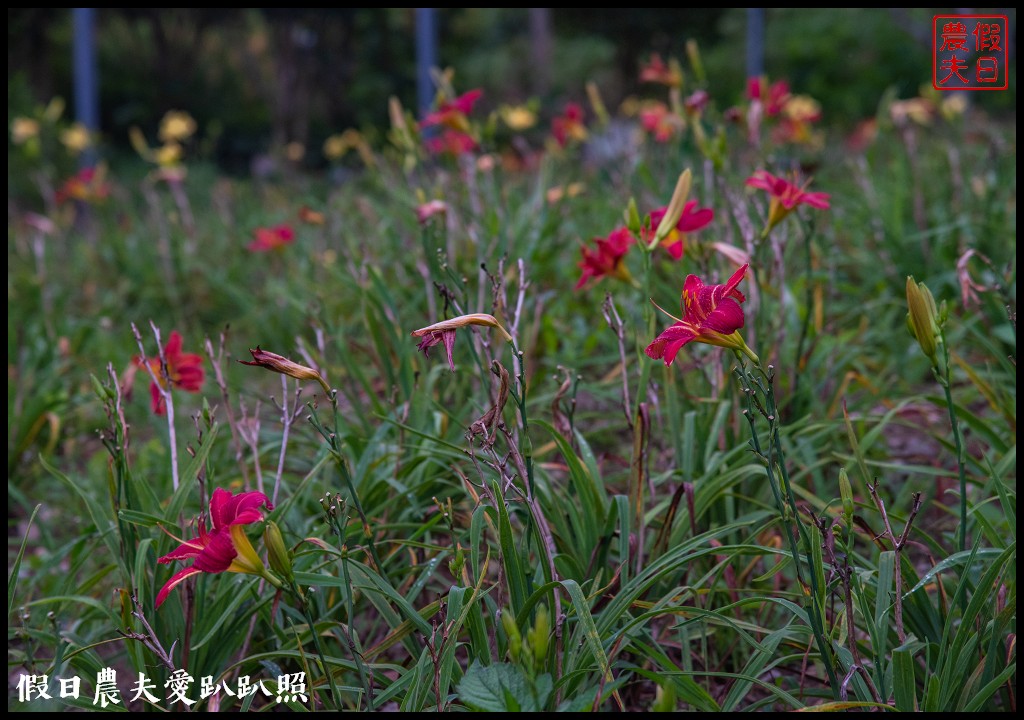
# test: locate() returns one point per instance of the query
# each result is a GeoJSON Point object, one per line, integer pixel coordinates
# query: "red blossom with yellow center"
{"type": "Point", "coordinates": [223, 548]}
{"type": "Point", "coordinates": [692, 219]}
{"type": "Point", "coordinates": [772, 97]}
{"type": "Point", "coordinates": [785, 196]}
{"type": "Point", "coordinates": [712, 314]}
{"type": "Point", "coordinates": [453, 113]}
{"type": "Point", "coordinates": [185, 371]}
{"type": "Point", "coordinates": [450, 142]}
{"type": "Point", "coordinates": [569, 126]}
{"type": "Point", "coordinates": [607, 259]}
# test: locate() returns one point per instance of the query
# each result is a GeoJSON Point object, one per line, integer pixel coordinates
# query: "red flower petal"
{"type": "Point", "coordinates": [175, 580]}
{"type": "Point", "coordinates": [227, 509]}
{"type": "Point", "coordinates": [216, 557]}
{"type": "Point", "coordinates": [667, 345]}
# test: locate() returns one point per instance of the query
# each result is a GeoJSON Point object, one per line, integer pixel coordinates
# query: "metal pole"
{"type": "Point", "coordinates": [86, 75]}
{"type": "Point", "coordinates": [426, 56]}
{"type": "Point", "coordinates": [755, 42]}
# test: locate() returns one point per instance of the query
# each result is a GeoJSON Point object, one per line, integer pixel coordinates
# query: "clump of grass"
{"type": "Point", "coordinates": [560, 523]}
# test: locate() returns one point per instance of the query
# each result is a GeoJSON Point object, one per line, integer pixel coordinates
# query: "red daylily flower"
{"type": "Point", "coordinates": [785, 196]}
{"type": "Point", "coordinates": [450, 142]}
{"type": "Point", "coordinates": [184, 369]}
{"type": "Point", "coordinates": [691, 220]}
{"type": "Point", "coordinates": [568, 127]}
{"type": "Point", "coordinates": [657, 71]}
{"type": "Point", "coordinates": [225, 548]}
{"type": "Point", "coordinates": [711, 315]}
{"type": "Point", "coordinates": [87, 185]}
{"type": "Point", "coordinates": [772, 98]}
{"type": "Point", "coordinates": [658, 121]}
{"type": "Point", "coordinates": [310, 216]}
{"type": "Point", "coordinates": [272, 238]}
{"type": "Point", "coordinates": [607, 259]}
{"type": "Point", "coordinates": [696, 102]}
{"type": "Point", "coordinates": [429, 209]}
{"type": "Point", "coordinates": [453, 113]}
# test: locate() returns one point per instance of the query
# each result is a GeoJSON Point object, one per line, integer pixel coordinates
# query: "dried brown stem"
{"type": "Point", "coordinates": [897, 543]}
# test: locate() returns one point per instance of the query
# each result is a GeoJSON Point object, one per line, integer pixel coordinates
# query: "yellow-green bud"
{"type": "Point", "coordinates": [674, 210]}
{"type": "Point", "coordinates": [664, 698]}
{"type": "Point", "coordinates": [539, 635]}
{"type": "Point", "coordinates": [693, 52]}
{"type": "Point", "coordinates": [923, 318]}
{"type": "Point", "coordinates": [846, 493]}
{"type": "Point", "coordinates": [515, 640]}
{"type": "Point", "coordinates": [277, 551]}
{"type": "Point", "coordinates": [633, 218]}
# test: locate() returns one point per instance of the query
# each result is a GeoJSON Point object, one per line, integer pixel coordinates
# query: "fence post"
{"type": "Point", "coordinates": [86, 75]}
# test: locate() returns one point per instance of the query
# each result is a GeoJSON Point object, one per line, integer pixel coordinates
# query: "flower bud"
{"type": "Point", "coordinates": [675, 208]}
{"type": "Point", "coordinates": [632, 217]}
{"type": "Point", "coordinates": [846, 493]}
{"type": "Point", "coordinates": [277, 551]}
{"type": "Point", "coordinates": [923, 318]}
{"type": "Point", "coordinates": [539, 635]}
{"type": "Point", "coordinates": [664, 698]}
{"type": "Point", "coordinates": [515, 640]}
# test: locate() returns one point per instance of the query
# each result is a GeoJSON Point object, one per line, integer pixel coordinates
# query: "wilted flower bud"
{"type": "Point", "coordinates": [923, 318]}
{"type": "Point", "coordinates": [444, 332]}
{"type": "Point", "coordinates": [277, 363]}
{"type": "Point", "coordinates": [277, 551]}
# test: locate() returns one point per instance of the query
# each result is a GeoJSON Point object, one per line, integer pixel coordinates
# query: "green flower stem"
{"type": "Point", "coordinates": [334, 444]}
{"type": "Point", "coordinates": [945, 381]}
{"type": "Point", "coordinates": [520, 399]}
{"type": "Point", "coordinates": [645, 367]}
{"type": "Point", "coordinates": [338, 527]}
{"type": "Point", "coordinates": [778, 480]}
{"type": "Point", "coordinates": [306, 602]}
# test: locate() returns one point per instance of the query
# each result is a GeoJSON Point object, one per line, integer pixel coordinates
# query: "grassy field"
{"type": "Point", "coordinates": [812, 507]}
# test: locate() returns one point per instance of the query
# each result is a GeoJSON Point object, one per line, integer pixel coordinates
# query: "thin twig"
{"type": "Point", "coordinates": [611, 316]}
{"type": "Point", "coordinates": [897, 544]}
{"type": "Point", "coordinates": [218, 373]}
{"type": "Point", "coordinates": [164, 389]}
{"type": "Point", "coordinates": [288, 417]}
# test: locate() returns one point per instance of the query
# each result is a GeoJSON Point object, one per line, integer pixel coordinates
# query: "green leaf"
{"type": "Point", "coordinates": [12, 579]}
{"type": "Point", "coordinates": [503, 688]}
{"type": "Point", "coordinates": [904, 685]}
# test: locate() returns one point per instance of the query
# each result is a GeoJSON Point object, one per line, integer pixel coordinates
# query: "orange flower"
{"type": "Point", "coordinates": [185, 371]}
{"type": "Point", "coordinates": [88, 185]}
{"type": "Point", "coordinates": [272, 238]}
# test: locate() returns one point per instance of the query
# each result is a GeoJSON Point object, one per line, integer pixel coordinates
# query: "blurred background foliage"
{"type": "Point", "coordinates": [258, 78]}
